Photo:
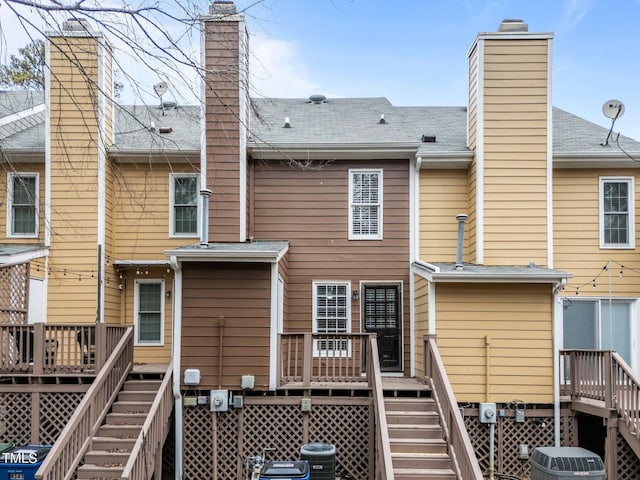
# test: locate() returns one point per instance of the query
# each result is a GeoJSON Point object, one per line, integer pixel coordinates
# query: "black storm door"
{"type": "Point", "coordinates": [382, 316]}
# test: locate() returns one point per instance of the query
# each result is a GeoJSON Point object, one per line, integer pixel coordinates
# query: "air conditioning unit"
{"type": "Point", "coordinates": [564, 463]}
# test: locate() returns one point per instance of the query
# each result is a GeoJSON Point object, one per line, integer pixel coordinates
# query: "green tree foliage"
{"type": "Point", "coordinates": [25, 70]}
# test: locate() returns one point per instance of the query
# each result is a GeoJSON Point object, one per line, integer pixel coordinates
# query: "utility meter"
{"type": "Point", "coordinates": [219, 400]}
{"type": "Point", "coordinates": [487, 413]}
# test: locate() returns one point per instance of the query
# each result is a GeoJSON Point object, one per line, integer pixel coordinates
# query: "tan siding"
{"type": "Point", "coordinates": [222, 103]}
{"type": "Point", "coordinates": [443, 195]}
{"type": "Point", "coordinates": [513, 323]}
{"type": "Point", "coordinates": [421, 306]}
{"type": "Point", "coordinates": [577, 237]}
{"type": "Point", "coordinates": [141, 210]}
{"type": "Point", "coordinates": [207, 289]}
{"type": "Point", "coordinates": [515, 100]}
{"type": "Point", "coordinates": [312, 213]}
{"type": "Point", "coordinates": [472, 114]}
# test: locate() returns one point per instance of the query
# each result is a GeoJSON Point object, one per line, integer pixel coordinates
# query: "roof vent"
{"type": "Point", "coordinates": [168, 105]}
{"type": "Point", "coordinates": [317, 99]}
{"type": "Point", "coordinates": [428, 139]}
{"type": "Point", "coordinates": [513, 25]}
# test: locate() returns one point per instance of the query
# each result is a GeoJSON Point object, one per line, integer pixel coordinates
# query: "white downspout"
{"type": "Point", "coordinates": [176, 347]}
{"type": "Point", "coordinates": [557, 344]}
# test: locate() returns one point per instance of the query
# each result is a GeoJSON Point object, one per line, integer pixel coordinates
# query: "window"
{"type": "Point", "coordinates": [184, 205]}
{"type": "Point", "coordinates": [365, 204]}
{"type": "Point", "coordinates": [22, 211]}
{"type": "Point", "coordinates": [598, 324]}
{"type": "Point", "coordinates": [331, 316]}
{"type": "Point", "coordinates": [149, 312]}
{"type": "Point", "coordinates": [617, 225]}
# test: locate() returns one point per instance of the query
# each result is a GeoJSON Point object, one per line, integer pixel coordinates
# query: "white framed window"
{"type": "Point", "coordinates": [365, 204]}
{"type": "Point", "coordinates": [332, 316]}
{"type": "Point", "coordinates": [617, 216]}
{"type": "Point", "coordinates": [149, 312]}
{"type": "Point", "coordinates": [22, 208]}
{"type": "Point", "coordinates": [183, 211]}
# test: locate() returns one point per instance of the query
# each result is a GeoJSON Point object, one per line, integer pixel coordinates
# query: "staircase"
{"type": "Point", "coordinates": [111, 446]}
{"type": "Point", "coordinates": [418, 448]}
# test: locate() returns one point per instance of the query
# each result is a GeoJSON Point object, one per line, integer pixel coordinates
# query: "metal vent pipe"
{"type": "Point", "coordinates": [461, 218]}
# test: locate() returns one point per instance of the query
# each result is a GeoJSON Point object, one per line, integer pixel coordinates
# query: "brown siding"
{"type": "Point", "coordinates": [310, 209]}
{"type": "Point", "coordinates": [241, 293]}
{"type": "Point", "coordinates": [222, 103]}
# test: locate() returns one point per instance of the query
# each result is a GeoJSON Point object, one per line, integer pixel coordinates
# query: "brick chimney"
{"type": "Point", "coordinates": [80, 128]}
{"type": "Point", "coordinates": [509, 129]}
{"type": "Point", "coordinates": [226, 121]}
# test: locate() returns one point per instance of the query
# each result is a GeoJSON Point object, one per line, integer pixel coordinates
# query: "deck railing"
{"type": "Point", "coordinates": [75, 438]}
{"type": "Point", "coordinates": [384, 465]}
{"type": "Point", "coordinates": [604, 376]}
{"type": "Point", "coordinates": [313, 357]}
{"type": "Point", "coordinates": [143, 462]}
{"type": "Point", "coordinates": [460, 449]}
{"type": "Point", "coordinates": [56, 348]}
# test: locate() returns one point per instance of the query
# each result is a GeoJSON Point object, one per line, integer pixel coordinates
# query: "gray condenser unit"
{"type": "Point", "coordinates": [563, 463]}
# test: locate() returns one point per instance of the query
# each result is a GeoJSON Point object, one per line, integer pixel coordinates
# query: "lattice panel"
{"type": "Point", "coordinates": [568, 431]}
{"type": "Point", "coordinates": [628, 463]}
{"type": "Point", "coordinates": [15, 418]}
{"type": "Point", "coordinates": [227, 453]}
{"type": "Point", "coordinates": [479, 435]}
{"type": "Point", "coordinates": [346, 427]}
{"type": "Point", "coordinates": [198, 443]}
{"type": "Point", "coordinates": [14, 294]}
{"type": "Point", "coordinates": [55, 411]}
{"type": "Point", "coordinates": [273, 426]}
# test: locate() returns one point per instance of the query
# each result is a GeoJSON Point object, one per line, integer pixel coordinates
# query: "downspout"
{"type": "Point", "coordinates": [176, 347]}
{"type": "Point", "coordinates": [557, 334]}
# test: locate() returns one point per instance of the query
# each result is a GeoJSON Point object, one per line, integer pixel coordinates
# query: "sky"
{"type": "Point", "coordinates": [414, 52]}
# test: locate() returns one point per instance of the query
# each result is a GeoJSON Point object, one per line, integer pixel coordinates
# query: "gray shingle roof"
{"type": "Point", "coordinates": [340, 121]}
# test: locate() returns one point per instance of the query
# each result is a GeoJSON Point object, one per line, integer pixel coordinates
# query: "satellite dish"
{"type": "Point", "coordinates": [613, 109]}
{"type": "Point", "coordinates": [161, 88]}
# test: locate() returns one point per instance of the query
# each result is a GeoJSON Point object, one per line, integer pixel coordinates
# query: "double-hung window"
{"type": "Point", "coordinates": [149, 312]}
{"type": "Point", "coordinates": [617, 217]}
{"type": "Point", "coordinates": [22, 208]}
{"type": "Point", "coordinates": [365, 204]}
{"type": "Point", "coordinates": [331, 318]}
{"type": "Point", "coordinates": [184, 205]}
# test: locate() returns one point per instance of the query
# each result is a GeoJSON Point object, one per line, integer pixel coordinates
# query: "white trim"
{"type": "Point", "coordinates": [557, 330]}
{"type": "Point", "coordinates": [431, 308]}
{"type": "Point", "coordinates": [13, 259]}
{"type": "Point", "coordinates": [14, 117]}
{"type": "Point", "coordinates": [10, 179]}
{"type": "Point", "coordinates": [334, 151]}
{"type": "Point", "coordinates": [550, 252]}
{"type": "Point", "coordinates": [136, 305]}
{"type": "Point", "coordinates": [101, 175]}
{"type": "Point", "coordinates": [273, 330]}
{"type": "Point", "coordinates": [203, 140]}
{"type": "Point", "coordinates": [631, 244]}
{"type": "Point", "coordinates": [412, 325]}
{"type": "Point", "coordinates": [414, 252]}
{"type": "Point", "coordinates": [379, 235]}
{"type": "Point", "coordinates": [172, 181]}
{"type": "Point", "coordinates": [176, 347]}
{"type": "Point", "coordinates": [480, 157]}
{"type": "Point", "coordinates": [243, 84]}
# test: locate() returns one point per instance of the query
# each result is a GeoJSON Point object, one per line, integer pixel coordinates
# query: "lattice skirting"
{"type": "Point", "coordinates": [536, 431]}
{"type": "Point", "coordinates": [35, 417]}
{"type": "Point", "coordinates": [277, 424]}
{"type": "Point", "coordinates": [628, 463]}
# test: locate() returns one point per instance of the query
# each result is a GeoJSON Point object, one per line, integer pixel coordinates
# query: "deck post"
{"type": "Point", "coordinates": [608, 381]}
{"type": "Point", "coordinates": [38, 348]}
{"type": "Point", "coordinates": [101, 345]}
{"type": "Point", "coordinates": [611, 447]}
{"type": "Point", "coordinates": [307, 359]}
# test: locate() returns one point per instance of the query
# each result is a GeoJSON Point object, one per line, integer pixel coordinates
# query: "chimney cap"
{"type": "Point", "coordinates": [222, 7]}
{"type": "Point", "coordinates": [513, 25]}
{"type": "Point", "coordinates": [76, 25]}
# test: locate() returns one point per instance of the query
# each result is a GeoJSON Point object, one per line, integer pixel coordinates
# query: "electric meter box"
{"type": "Point", "coordinates": [219, 400]}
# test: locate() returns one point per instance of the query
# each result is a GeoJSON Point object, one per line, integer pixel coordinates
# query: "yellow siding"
{"type": "Point", "coordinates": [472, 114]}
{"type": "Point", "coordinates": [515, 100]}
{"type": "Point", "coordinates": [74, 196]}
{"type": "Point", "coordinates": [421, 306]}
{"type": "Point", "coordinates": [30, 167]}
{"type": "Point", "coordinates": [508, 325]}
{"type": "Point", "coordinates": [443, 194]}
{"type": "Point", "coordinates": [141, 210]}
{"type": "Point", "coordinates": [577, 237]}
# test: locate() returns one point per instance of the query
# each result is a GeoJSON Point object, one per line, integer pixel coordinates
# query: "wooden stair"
{"type": "Point", "coordinates": [111, 447]}
{"type": "Point", "coordinates": [418, 449]}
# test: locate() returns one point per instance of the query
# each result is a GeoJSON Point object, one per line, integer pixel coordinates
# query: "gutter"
{"type": "Point", "coordinates": [176, 347]}
{"type": "Point", "coordinates": [332, 151]}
